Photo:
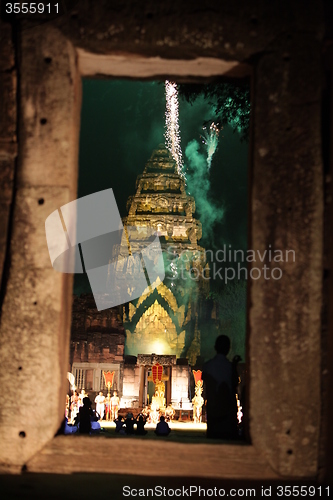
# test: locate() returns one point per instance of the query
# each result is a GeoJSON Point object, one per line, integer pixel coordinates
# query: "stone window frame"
{"type": "Point", "coordinates": [286, 444]}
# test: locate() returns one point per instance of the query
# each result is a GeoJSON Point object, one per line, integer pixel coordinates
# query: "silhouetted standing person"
{"type": "Point", "coordinates": [220, 378]}
{"type": "Point", "coordinates": [85, 413]}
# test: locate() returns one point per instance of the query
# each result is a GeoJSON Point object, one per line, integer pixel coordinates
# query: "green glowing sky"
{"type": "Point", "coordinates": [122, 122]}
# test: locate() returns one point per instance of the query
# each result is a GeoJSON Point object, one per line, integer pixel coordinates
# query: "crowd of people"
{"type": "Point", "coordinates": [105, 407]}
{"type": "Point", "coordinates": [220, 382]}
{"type": "Point", "coordinates": [126, 425]}
{"type": "Point", "coordinates": [86, 422]}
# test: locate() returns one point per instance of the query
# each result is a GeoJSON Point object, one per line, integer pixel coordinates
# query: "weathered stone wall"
{"type": "Point", "coordinates": [131, 385]}
{"type": "Point", "coordinates": [96, 336]}
{"type": "Point", "coordinates": [8, 134]}
{"type": "Point", "coordinates": [287, 192]}
{"type": "Point", "coordinates": [98, 348]}
{"type": "Point", "coordinates": [180, 383]}
{"type": "Point", "coordinates": [326, 453]}
{"type": "Point", "coordinates": [36, 310]}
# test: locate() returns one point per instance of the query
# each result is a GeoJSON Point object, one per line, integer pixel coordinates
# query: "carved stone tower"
{"type": "Point", "coordinates": [164, 320]}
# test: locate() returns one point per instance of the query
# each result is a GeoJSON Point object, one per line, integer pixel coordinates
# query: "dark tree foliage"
{"type": "Point", "coordinates": [231, 103]}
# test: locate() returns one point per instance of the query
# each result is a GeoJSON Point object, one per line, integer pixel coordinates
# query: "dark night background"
{"type": "Point", "coordinates": [122, 121]}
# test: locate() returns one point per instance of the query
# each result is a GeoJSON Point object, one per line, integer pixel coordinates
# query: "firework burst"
{"type": "Point", "coordinates": [211, 138]}
{"type": "Point", "coordinates": [172, 134]}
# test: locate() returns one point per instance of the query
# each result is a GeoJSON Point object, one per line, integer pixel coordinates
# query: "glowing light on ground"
{"type": "Point", "coordinates": [211, 138]}
{"type": "Point", "coordinates": [180, 426]}
{"type": "Point", "coordinates": [172, 134]}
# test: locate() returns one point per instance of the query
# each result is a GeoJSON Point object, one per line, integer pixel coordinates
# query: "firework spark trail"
{"type": "Point", "coordinates": [210, 139]}
{"type": "Point", "coordinates": [172, 135]}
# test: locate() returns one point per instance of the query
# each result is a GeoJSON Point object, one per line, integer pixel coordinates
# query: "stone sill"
{"type": "Point", "coordinates": [72, 454]}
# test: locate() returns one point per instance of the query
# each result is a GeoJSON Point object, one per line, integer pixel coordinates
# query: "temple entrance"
{"type": "Point", "coordinates": [150, 385]}
{"type": "Point", "coordinates": [147, 385]}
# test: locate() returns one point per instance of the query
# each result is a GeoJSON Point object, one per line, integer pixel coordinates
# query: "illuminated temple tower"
{"type": "Point", "coordinates": [162, 326]}
{"type": "Point", "coordinates": [164, 320]}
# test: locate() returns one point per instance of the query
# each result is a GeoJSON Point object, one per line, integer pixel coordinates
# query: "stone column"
{"type": "Point", "coordinates": [142, 386]}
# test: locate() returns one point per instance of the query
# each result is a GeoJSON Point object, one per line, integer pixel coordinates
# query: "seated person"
{"type": "Point", "coordinates": [65, 428]}
{"type": "Point", "coordinates": [120, 425]}
{"type": "Point", "coordinates": [162, 428]}
{"type": "Point", "coordinates": [95, 417]}
{"type": "Point", "coordinates": [129, 423]}
{"type": "Point", "coordinates": [95, 427]}
{"type": "Point", "coordinates": [140, 426]}
{"type": "Point", "coordinates": [77, 420]}
{"type": "Point", "coordinates": [69, 429]}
